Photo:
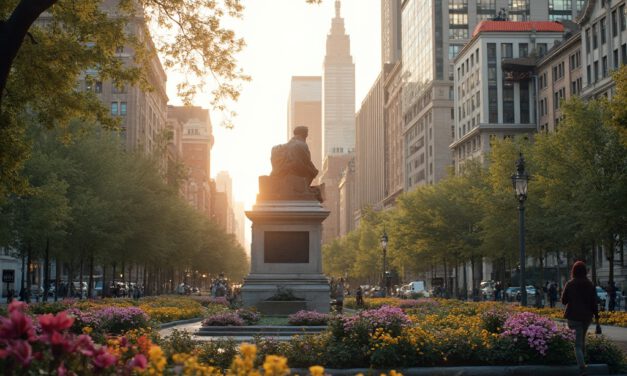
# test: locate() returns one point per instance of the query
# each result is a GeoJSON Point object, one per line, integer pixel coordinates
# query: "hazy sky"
{"type": "Point", "coordinates": [284, 38]}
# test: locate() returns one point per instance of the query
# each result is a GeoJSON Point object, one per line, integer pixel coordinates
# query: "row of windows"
{"type": "Point", "coordinates": [600, 69]}
{"type": "Point", "coordinates": [619, 22]}
{"type": "Point", "coordinates": [96, 86]}
{"type": "Point", "coordinates": [118, 108]}
{"type": "Point", "coordinates": [469, 147]}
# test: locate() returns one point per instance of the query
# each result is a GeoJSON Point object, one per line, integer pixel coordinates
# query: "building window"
{"type": "Point", "coordinates": [506, 50]}
{"type": "Point", "coordinates": [508, 102]}
{"type": "Point", "coordinates": [486, 6]}
{"type": "Point", "coordinates": [621, 14]}
{"type": "Point", "coordinates": [123, 108]}
{"type": "Point", "coordinates": [623, 50]}
{"type": "Point", "coordinates": [604, 67]}
{"type": "Point", "coordinates": [524, 102]}
{"type": "Point", "coordinates": [615, 59]}
{"type": "Point", "coordinates": [589, 74]}
{"type": "Point", "coordinates": [603, 31]}
{"type": "Point", "coordinates": [458, 33]}
{"type": "Point", "coordinates": [542, 49]}
{"type": "Point", "coordinates": [614, 24]}
{"type": "Point", "coordinates": [114, 108]}
{"type": "Point", "coordinates": [587, 41]}
{"type": "Point", "coordinates": [98, 87]}
{"type": "Point", "coordinates": [453, 50]}
{"type": "Point", "coordinates": [595, 43]}
{"type": "Point", "coordinates": [575, 60]}
{"type": "Point", "coordinates": [596, 70]}
{"type": "Point", "coordinates": [458, 5]}
{"type": "Point", "coordinates": [523, 49]}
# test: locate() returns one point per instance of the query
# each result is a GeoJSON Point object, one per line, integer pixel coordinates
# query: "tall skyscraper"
{"type": "Point", "coordinates": [390, 31]}
{"type": "Point", "coordinates": [304, 108]}
{"type": "Point", "coordinates": [338, 91]}
{"type": "Point", "coordinates": [433, 32]}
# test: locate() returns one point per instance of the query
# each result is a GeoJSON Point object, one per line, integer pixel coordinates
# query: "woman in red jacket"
{"type": "Point", "coordinates": [580, 299]}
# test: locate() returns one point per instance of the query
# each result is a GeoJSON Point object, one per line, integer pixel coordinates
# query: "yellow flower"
{"type": "Point", "coordinates": [316, 371]}
{"type": "Point", "coordinates": [87, 330]}
{"type": "Point", "coordinates": [275, 366]}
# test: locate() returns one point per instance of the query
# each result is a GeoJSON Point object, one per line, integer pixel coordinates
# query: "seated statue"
{"type": "Point", "coordinates": [294, 157]}
{"type": "Point", "coordinates": [292, 171]}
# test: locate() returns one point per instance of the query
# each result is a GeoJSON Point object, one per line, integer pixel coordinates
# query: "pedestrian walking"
{"type": "Point", "coordinates": [359, 297]}
{"type": "Point", "coordinates": [339, 295]}
{"type": "Point", "coordinates": [611, 292]}
{"type": "Point", "coordinates": [552, 295]}
{"type": "Point", "coordinates": [580, 299]}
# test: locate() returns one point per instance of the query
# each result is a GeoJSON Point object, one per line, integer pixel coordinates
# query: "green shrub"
{"type": "Point", "coordinates": [218, 353]}
{"type": "Point", "coordinates": [179, 341]}
{"type": "Point", "coordinates": [601, 350]}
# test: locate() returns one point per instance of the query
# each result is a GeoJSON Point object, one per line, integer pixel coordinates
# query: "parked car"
{"type": "Point", "coordinates": [512, 293]}
{"type": "Point", "coordinates": [487, 289]}
{"type": "Point", "coordinates": [602, 297]}
{"type": "Point", "coordinates": [414, 289]}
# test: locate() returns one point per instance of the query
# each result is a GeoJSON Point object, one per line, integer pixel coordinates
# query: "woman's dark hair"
{"type": "Point", "coordinates": [579, 270]}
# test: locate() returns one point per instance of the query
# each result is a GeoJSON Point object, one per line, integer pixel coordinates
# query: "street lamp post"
{"type": "Point", "coordinates": [384, 246]}
{"type": "Point", "coordinates": [520, 182]}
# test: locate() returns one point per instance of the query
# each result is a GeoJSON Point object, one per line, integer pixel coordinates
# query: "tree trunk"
{"type": "Point", "coordinates": [29, 278]}
{"type": "Point", "coordinates": [90, 286]}
{"type": "Point", "coordinates": [46, 271]}
{"type": "Point", "coordinates": [80, 278]}
{"type": "Point", "coordinates": [594, 262]}
{"type": "Point", "coordinates": [465, 284]}
{"type": "Point", "coordinates": [610, 258]}
{"type": "Point", "coordinates": [57, 278]}
{"type": "Point", "coordinates": [70, 280]}
{"type": "Point", "coordinates": [105, 287]}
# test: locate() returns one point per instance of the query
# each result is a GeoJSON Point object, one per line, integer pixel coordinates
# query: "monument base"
{"type": "Point", "coordinates": [286, 253]}
{"type": "Point", "coordinates": [313, 289]}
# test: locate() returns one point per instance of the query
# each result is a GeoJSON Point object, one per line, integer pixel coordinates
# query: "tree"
{"type": "Point", "coordinates": [76, 36]}
{"type": "Point", "coordinates": [586, 174]}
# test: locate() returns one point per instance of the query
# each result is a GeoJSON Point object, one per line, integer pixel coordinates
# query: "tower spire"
{"type": "Point", "coordinates": [337, 8]}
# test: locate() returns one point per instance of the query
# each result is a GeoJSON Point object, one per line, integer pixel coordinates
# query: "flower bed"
{"type": "Point", "coordinates": [387, 338]}
{"type": "Point", "coordinates": [308, 318]}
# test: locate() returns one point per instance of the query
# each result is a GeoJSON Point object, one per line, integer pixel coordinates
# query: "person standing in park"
{"type": "Point", "coordinates": [359, 297]}
{"type": "Point", "coordinates": [580, 299]}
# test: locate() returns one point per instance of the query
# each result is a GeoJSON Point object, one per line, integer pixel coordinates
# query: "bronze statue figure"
{"type": "Point", "coordinates": [294, 157]}
{"type": "Point", "coordinates": [292, 172]}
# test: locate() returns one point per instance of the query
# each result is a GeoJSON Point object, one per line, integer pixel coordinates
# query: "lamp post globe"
{"type": "Point", "coordinates": [520, 181]}
{"type": "Point", "coordinates": [384, 247]}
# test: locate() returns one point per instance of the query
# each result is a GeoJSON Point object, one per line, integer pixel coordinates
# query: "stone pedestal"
{"type": "Point", "coordinates": [286, 251]}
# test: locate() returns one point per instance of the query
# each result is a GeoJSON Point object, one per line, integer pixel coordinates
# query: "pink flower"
{"type": "Point", "coordinates": [103, 359]}
{"type": "Point", "coordinates": [139, 361]}
{"type": "Point", "coordinates": [61, 370]}
{"type": "Point", "coordinates": [49, 323]}
{"type": "Point", "coordinates": [21, 351]}
{"type": "Point", "coordinates": [17, 326]}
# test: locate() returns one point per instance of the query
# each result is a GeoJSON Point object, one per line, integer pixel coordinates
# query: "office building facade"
{"type": "Point", "coordinates": [559, 77]}
{"type": "Point", "coordinates": [433, 33]}
{"type": "Point", "coordinates": [369, 150]}
{"type": "Point", "coordinates": [494, 88]}
{"type": "Point", "coordinates": [604, 44]}
{"type": "Point", "coordinates": [304, 108]}
{"type": "Point", "coordinates": [196, 143]}
{"type": "Point", "coordinates": [338, 91]}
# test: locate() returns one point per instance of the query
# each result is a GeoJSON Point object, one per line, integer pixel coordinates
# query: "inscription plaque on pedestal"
{"type": "Point", "coordinates": [289, 247]}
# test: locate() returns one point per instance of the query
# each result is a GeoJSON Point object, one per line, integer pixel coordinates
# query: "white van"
{"type": "Point", "coordinates": [415, 287]}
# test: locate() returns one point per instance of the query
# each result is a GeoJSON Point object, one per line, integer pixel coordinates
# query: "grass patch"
{"type": "Point", "coordinates": [273, 320]}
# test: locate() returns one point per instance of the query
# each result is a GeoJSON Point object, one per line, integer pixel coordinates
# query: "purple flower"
{"type": "Point", "coordinates": [308, 318]}
{"type": "Point", "coordinates": [537, 331]}
{"type": "Point", "coordinates": [223, 319]}
{"type": "Point", "coordinates": [388, 318]}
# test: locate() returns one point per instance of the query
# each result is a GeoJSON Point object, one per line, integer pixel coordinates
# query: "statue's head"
{"type": "Point", "coordinates": [301, 131]}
